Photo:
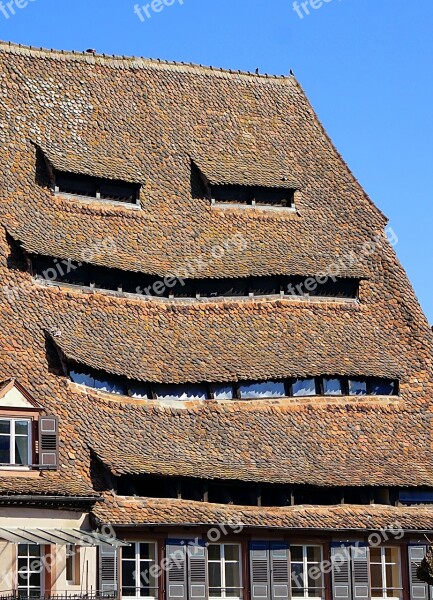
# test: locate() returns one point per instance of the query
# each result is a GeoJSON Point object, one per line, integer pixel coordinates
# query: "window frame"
{"type": "Point", "coordinates": [73, 555]}
{"type": "Point", "coordinates": [40, 571]}
{"type": "Point", "coordinates": [222, 562]}
{"type": "Point", "coordinates": [12, 436]}
{"type": "Point", "coordinates": [251, 192]}
{"type": "Point", "coordinates": [97, 182]}
{"type": "Point", "coordinates": [306, 564]}
{"type": "Point", "coordinates": [137, 569]}
{"type": "Point", "coordinates": [383, 564]}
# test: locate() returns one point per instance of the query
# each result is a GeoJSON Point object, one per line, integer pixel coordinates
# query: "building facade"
{"type": "Point", "coordinates": [216, 379]}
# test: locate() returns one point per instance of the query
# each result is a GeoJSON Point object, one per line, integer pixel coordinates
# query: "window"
{"type": "Point", "coordinates": [138, 570]}
{"type": "Point", "coordinates": [267, 389]}
{"type": "Point", "coordinates": [95, 187]}
{"type": "Point", "coordinates": [332, 387]}
{"type": "Point", "coordinates": [385, 572]}
{"type": "Point", "coordinates": [29, 569]}
{"type": "Point", "coordinates": [181, 392]}
{"type": "Point", "coordinates": [382, 387]}
{"type": "Point", "coordinates": [224, 571]}
{"type": "Point", "coordinates": [15, 442]}
{"type": "Point", "coordinates": [307, 576]}
{"type": "Point", "coordinates": [72, 564]}
{"type": "Point", "coordinates": [357, 387]}
{"type": "Point", "coordinates": [304, 387]}
{"type": "Point", "coordinates": [251, 195]}
{"type": "Point", "coordinates": [223, 391]}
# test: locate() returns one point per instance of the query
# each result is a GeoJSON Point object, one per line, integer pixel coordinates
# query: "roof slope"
{"type": "Point", "coordinates": [144, 121]}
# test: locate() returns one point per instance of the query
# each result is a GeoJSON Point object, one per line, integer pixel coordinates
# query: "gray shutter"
{"type": "Point", "coordinates": [260, 573]}
{"type": "Point", "coordinates": [418, 589]}
{"type": "Point", "coordinates": [360, 572]}
{"type": "Point", "coordinates": [108, 569]}
{"type": "Point", "coordinates": [341, 583]}
{"type": "Point", "coordinates": [280, 570]}
{"type": "Point", "coordinates": [176, 571]}
{"type": "Point", "coordinates": [197, 572]}
{"type": "Point", "coordinates": [48, 443]}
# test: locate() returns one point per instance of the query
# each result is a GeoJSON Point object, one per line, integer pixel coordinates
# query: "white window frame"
{"type": "Point", "coordinates": [305, 566]}
{"type": "Point", "coordinates": [138, 562]}
{"type": "Point", "coordinates": [223, 562]}
{"type": "Point", "coordinates": [387, 592]}
{"type": "Point", "coordinates": [30, 559]}
{"type": "Point", "coordinates": [12, 435]}
{"type": "Point", "coordinates": [71, 554]}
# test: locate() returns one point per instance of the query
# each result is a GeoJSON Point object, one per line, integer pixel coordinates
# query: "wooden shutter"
{"type": "Point", "coordinates": [108, 569]}
{"type": "Point", "coordinates": [260, 572]}
{"type": "Point", "coordinates": [341, 581]}
{"type": "Point", "coordinates": [280, 570]}
{"type": "Point", "coordinates": [197, 571]}
{"type": "Point", "coordinates": [48, 443]}
{"type": "Point", "coordinates": [418, 589]}
{"type": "Point", "coordinates": [176, 571]}
{"type": "Point", "coordinates": [360, 572]}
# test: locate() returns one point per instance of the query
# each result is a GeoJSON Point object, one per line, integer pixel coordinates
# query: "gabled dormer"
{"type": "Point", "coordinates": [28, 441]}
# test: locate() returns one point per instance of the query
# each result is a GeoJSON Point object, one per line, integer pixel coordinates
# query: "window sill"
{"type": "Point", "coordinates": [205, 300]}
{"type": "Point", "coordinates": [258, 208]}
{"type": "Point", "coordinates": [99, 201]}
{"type": "Point", "coordinates": [20, 472]}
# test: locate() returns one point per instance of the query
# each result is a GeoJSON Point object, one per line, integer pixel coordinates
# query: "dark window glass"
{"type": "Point", "coordinates": [357, 387]}
{"type": "Point", "coordinates": [85, 185]}
{"type": "Point", "coordinates": [181, 392]}
{"type": "Point", "coordinates": [236, 194]}
{"type": "Point", "coordinates": [223, 392]}
{"type": "Point", "coordinates": [332, 387]}
{"type": "Point", "coordinates": [264, 286]}
{"type": "Point", "coordinates": [304, 387]}
{"type": "Point", "coordinates": [74, 184]}
{"type": "Point", "coordinates": [382, 387]}
{"type": "Point", "coordinates": [266, 389]}
{"type": "Point", "coordinates": [273, 197]}
{"type": "Point", "coordinates": [82, 378]}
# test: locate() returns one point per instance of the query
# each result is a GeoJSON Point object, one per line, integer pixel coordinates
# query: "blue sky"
{"type": "Point", "coordinates": [366, 66]}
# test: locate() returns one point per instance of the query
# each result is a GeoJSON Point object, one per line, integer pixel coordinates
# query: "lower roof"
{"type": "Point", "coordinates": [122, 511]}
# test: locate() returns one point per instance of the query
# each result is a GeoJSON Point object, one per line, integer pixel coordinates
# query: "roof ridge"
{"type": "Point", "coordinates": [132, 61]}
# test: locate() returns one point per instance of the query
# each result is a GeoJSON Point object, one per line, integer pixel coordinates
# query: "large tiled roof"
{"type": "Point", "coordinates": [124, 511]}
{"type": "Point", "coordinates": [299, 444]}
{"type": "Point", "coordinates": [148, 122]}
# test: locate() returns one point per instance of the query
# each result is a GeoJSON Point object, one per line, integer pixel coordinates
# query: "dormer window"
{"type": "Point", "coordinates": [28, 440]}
{"type": "Point", "coordinates": [252, 196]}
{"type": "Point", "coordinates": [86, 186]}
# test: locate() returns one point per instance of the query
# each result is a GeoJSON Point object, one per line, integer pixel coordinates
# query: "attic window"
{"type": "Point", "coordinates": [252, 196]}
{"type": "Point", "coordinates": [64, 271]}
{"type": "Point", "coordinates": [242, 390]}
{"type": "Point", "coordinates": [86, 186]}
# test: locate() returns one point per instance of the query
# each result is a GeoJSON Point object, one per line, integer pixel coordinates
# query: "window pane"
{"type": "Point", "coordinates": [5, 450]}
{"type": "Point", "coordinates": [181, 392]}
{"type": "Point", "coordinates": [392, 554]}
{"type": "Point", "coordinates": [296, 553]}
{"type": "Point", "coordinates": [375, 555]}
{"type": "Point", "coordinates": [231, 552]}
{"type": "Point", "coordinates": [112, 386]}
{"type": "Point", "coordinates": [214, 575]}
{"type": "Point", "coordinates": [82, 378]}
{"type": "Point", "coordinates": [21, 451]}
{"type": "Point", "coordinates": [147, 551]}
{"type": "Point", "coordinates": [214, 552]}
{"type": "Point", "coordinates": [297, 571]}
{"type": "Point", "coordinates": [332, 387]}
{"type": "Point", "coordinates": [233, 579]}
{"type": "Point", "coordinates": [139, 391]}
{"type": "Point", "coordinates": [128, 573]}
{"type": "Point", "coordinates": [223, 392]}
{"type": "Point", "coordinates": [382, 387]}
{"type": "Point", "coordinates": [392, 576]}
{"type": "Point", "coordinates": [146, 581]}
{"type": "Point", "coordinates": [314, 554]}
{"type": "Point", "coordinates": [304, 387]}
{"type": "Point", "coordinates": [128, 552]}
{"type": "Point", "coordinates": [21, 427]}
{"type": "Point", "coordinates": [376, 576]}
{"type": "Point", "coordinates": [268, 389]}
{"type": "Point", "coordinates": [357, 387]}
{"type": "Point", "coordinates": [5, 426]}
